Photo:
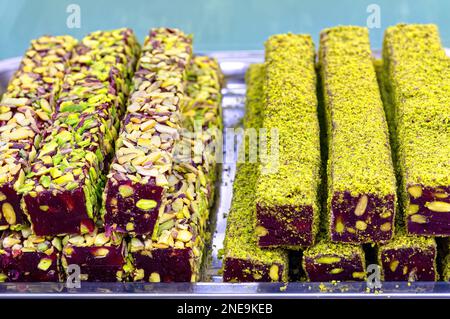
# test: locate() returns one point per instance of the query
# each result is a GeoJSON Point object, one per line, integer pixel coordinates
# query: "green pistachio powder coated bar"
{"type": "Point", "coordinates": [25, 111]}
{"type": "Point", "coordinates": [446, 260]}
{"type": "Point", "coordinates": [184, 209]}
{"type": "Point", "coordinates": [240, 243]}
{"type": "Point", "coordinates": [289, 203]}
{"type": "Point", "coordinates": [420, 108]}
{"type": "Point", "coordinates": [401, 240]}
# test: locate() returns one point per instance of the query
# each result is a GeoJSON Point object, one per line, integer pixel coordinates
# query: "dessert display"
{"type": "Point", "coordinates": [244, 260]}
{"type": "Point", "coordinates": [287, 190]}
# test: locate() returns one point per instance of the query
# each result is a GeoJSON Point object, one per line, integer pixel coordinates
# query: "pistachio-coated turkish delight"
{"type": "Point", "coordinates": [244, 260]}
{"type": "Point", "coordinates": [25, 112]}
{"type": "Point", "coordinates": [417, 75]}
{"type": "Point", "coordinates": [446, 259]}
{"type": "Point", "coordinates": [100, 256]}
{"type": "Point", "coordinates": [62, 190]}
{"type": "Point", "coordinates": [175, 249]}
{"type": "Point", "coordinates": [361, 179]}
{"type": "Point", "coordinates": [405, 257]}
{"type": "Point", "coordinates": [287, 191]}
{"type": "Point", "coordinates": [144, 152]}
{"type": "Point", "coordinates": [27, 257]}
{"type": "Point", "coordinates": [408, 258]}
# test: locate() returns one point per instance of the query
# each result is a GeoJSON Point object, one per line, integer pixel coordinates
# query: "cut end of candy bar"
{"type": "Point", "coordinates": [12, 213]}
{"type": "Point", "coordinates": [446, 259]}
{"type": "Point", "coordinates": [361, 180]}
{"type": "Point", "coordinates": [132, 207]}
{"type": "Point", "coordinates": [362, 219]}
{"type": "Point", "coordinates": [100, 256]}
{"type": "Point", "coordinates": [327, 261]}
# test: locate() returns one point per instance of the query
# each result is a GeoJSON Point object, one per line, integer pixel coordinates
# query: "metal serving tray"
{"type": "Point", "coordinates": [234, 65]}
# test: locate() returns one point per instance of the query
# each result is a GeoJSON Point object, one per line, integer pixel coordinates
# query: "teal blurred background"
{"type": "Point", "coordinates": [216, 24]}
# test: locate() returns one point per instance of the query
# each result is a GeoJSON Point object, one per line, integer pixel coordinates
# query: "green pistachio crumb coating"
{"type": "Point", "coordinates": [290, 107]}
{"type": "Point", "coordinates": [240, 240]}
{"type": "Point", "coordinates": [417, 72]}
{"type": "Point", "coordinates": [359, 152]}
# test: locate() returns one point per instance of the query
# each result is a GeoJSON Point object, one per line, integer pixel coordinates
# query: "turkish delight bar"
{"type": "Point", "coordinates": [25, 112]}
{"type": "Point", "coordinates": [174, 252]}
{"type": "Point", "coordinates": [99, 256]}
{"type": "Point", "coordinates": [405, 257]}
{"type": "Point", "coordinates": [25, 257]}
{"type": "Point", "coordinates": [420, 108]}
{"type": "Point", "coordinates": [102, 67]}
{"type": "Point", "coordinates": [287, 205]}
{"type": "Point", "coordinates": [408, 258]}
{"type": "Point", "coordinates": [361, 179]}
{"type": "Point", "coordinates": [62, 190]}
{"type": "Point", "coordinates": [139, 173]}
{"type": "Point", "coordinates": [244, 260]}
{"type": "Point", "coordinates": [200, 138]}
{"type": "Point", "coordinates": [328, 261]}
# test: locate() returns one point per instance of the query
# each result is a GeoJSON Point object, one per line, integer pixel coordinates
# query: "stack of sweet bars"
{"type": "Point", "coordinates": [372, 181]}
{"type": "Point", "coordinates": [105, 116]}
